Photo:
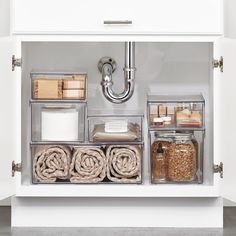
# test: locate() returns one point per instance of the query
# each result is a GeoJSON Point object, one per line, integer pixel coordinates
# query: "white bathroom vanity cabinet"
{"type": "Point", "coordinates": [180, 47]}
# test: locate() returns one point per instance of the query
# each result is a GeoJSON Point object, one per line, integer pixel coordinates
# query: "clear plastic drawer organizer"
{"type": "Point", "coordinates": [58, 106]}
{"type": "Point", "coordinates": [61, 154]}
{"type": "Point", "coordinates": [176, 133]}
{"type": "Point", "coordinates": [115, 128]}
{"type": "Point", "coordinates": [58, 86]}
{"type": "Point", "coordinates": [86, 164]}
{"type": "Point", "coordinates": [176, 112]}
{"type": "Point", "coordinates": [58, 122]}
{"type": "Point", "coordinates": [176, 156]}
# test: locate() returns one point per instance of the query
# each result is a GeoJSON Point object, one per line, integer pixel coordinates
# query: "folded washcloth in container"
{"type": "Point", "coordinates": [116, 126]}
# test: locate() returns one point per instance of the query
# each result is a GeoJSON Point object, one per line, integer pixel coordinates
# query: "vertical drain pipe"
{"type": "Point", "coordinates": [107, 66]}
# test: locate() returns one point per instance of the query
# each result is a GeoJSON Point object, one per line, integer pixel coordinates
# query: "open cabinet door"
{"type": "Point", "coordinates": [225, 116]}
{"type": "Point", "coordinates": [8, 93]}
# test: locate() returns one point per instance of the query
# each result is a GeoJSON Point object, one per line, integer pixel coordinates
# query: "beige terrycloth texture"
{"type": "Point", "coordinates": [124, 163]}
{"type": "Point", "coordinates": [88, 165]}
{"type": "Point", "coordinates": [51, 163]}
{"type": "Point", "coordinates": [100, 135]}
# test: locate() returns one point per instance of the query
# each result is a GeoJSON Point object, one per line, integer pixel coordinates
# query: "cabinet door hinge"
{"type": "Point", "coordinates": [16, 62]}
{"type": "Point", "coordinates": [219, 169]}
{"type": "Point", "coordinates": [219, 64]}
{"type": "Point", "coordinates": [16, 167]}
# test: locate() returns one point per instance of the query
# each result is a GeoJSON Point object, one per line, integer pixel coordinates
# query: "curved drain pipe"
{"type": "Point", "coordinates": [107, 66]}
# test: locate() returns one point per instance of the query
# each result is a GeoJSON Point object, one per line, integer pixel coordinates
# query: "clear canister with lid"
{"type": "Point", "coordinates": [182, 158]}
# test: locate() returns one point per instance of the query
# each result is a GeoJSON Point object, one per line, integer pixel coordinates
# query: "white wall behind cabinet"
{"type": "Point", "coordinates": [230, 18]}
{"type": "Point", "coordinates": [4, 17]}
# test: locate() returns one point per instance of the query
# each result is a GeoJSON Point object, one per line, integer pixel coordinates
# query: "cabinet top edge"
{"type": "Point", "coordinates": [115, 38]}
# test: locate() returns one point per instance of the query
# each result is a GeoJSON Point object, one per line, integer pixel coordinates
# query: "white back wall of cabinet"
{"type": "Point", "coordinates": [87, 17]}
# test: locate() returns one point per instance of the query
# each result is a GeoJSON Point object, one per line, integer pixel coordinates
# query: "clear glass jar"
{"type": "Point", "coordinates": [182, 159]}
{"type": "Point", "coordinates": [159, 159]}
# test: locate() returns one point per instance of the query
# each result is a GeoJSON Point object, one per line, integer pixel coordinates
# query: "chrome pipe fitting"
{"type": "Point", "coordinates": [107, 66]}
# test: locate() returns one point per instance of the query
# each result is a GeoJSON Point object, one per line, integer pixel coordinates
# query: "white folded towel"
{"type": "Point", "coordinates": [116, 126]}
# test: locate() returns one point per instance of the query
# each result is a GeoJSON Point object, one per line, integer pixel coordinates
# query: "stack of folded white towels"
{"type": "Point", "coordinates": [116, 126]}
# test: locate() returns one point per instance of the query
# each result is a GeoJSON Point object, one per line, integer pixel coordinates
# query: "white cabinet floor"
{"type": "Point", "coordinates": [229, 229]}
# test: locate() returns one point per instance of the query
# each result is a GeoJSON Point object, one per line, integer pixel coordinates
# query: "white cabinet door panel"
{"type": "Point", "coordinates": [87, 17]}
{"type": "Point", "coordinates": [225, 116]}
{"type": "Point", "coordinates": [7, 118]}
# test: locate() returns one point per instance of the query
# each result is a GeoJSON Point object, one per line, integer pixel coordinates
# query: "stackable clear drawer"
{"type": "Point", "coordinates": [58, 122]}
{"type": "Point", "coordinates": [59, 86]}
{"type": "Point", "coordinates": [86, 164]}
{"type": "Point", "coordinates": [171, 112]}
{"type": "Point", "coordinates": [176, 156]}
{"type": "Point", "coordinates": [115, 128]}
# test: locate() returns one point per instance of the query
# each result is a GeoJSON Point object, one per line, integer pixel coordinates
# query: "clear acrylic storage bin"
{"type": "Point", "coordinates": [115, 128]}
{"type": "Point", "coordinates": [86, 164]}
{"type": "Point", "coordinates": [59, 86]}
{"type": "Point", "coordinates": [176, 156]}
{"type": "Point", "coordinates": [58, 122]}
{"type": "Point", "coordinates": [171, 112]}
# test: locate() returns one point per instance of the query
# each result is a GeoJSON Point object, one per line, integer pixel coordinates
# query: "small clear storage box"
{"type": "Point", "coordinates": [58, 86]}
{"type": "Point", "coordinates": [176, 112]}
{"type": "Point", "coordinates": [115, 128]}
{"type": "Point", "coordinates": [58, 122]}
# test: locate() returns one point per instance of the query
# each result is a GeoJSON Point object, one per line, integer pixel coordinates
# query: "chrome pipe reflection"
{"type": "Point", "coordinates": [107, 66]}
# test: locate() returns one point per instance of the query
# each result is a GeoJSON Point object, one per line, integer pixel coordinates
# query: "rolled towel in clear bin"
{"type": "Point", "coordinates": [51, 163]}
{"type": "Point", "coordinates": [89, 165]}
{"type": "Point", "coordinates": [124, 163]}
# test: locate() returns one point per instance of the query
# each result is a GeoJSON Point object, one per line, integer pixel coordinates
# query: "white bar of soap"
{"type": "Point", "coordinates": [59, 124]}
{"type": "Point", "coordinates": [116, 126]}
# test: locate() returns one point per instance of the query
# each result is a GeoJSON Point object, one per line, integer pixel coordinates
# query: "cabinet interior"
{"type": "Point", "coordinates": [162, 68]}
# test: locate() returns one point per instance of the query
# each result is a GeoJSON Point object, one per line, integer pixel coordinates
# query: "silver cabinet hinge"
{"type": "Point", "coordinates": [219, 169]}
{"type": "Point", "coordinates": [16, 167]}
{"type": "Point", "coordinates": [219, 64]}
{"type": "Point", "coordinates": [16, 62]}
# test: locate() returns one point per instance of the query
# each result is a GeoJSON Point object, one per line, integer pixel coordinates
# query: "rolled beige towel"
{"type": "Point", "coordinates": [124, 163]}
{"type": "Point", "coordinates": [88, 165]}
{"type": "Point", "coordinates": [51, 163]}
